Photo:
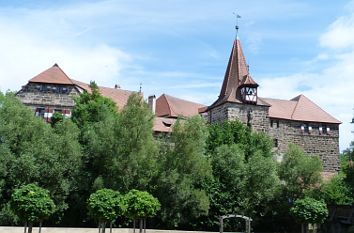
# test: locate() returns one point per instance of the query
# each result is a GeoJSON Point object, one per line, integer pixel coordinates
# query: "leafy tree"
{"type": "Point", "coordinates": [309, 210]}
{"type": "Point", "coordinates": [299, 172]}
{"type": "Point", "coordinates": [119, 150]}
{"type": "Point", "coordinates": [34, 152]}
{"type": "Point", "coordinates": [347, 168]}
{"type": "Point", "coordinates": [96, 118]}
{"type": "Point", "coordinates": [336, 191]}
{"type": "Point", "coordinates": [57, 117]}
{"type": "Point", "coordinates": [245, 178]}
{"type": "Point", "coordinates": [105, 205]}
{"type": "Point", "coordinates": [141, 205]}
{"type": "Point", "coordinates": [32, 204]}
{"type": "Point", "coordinates": [135, 152]}
{"type": "Point", "coordinates": [92, 107]}
{"type": "Point", "coordinates": [184, 169]}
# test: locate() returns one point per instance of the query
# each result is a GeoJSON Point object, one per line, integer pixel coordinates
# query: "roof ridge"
{"type": "Point", "coordinates": [297, 103]}
{"type": "Point", "coordinates": [168, 103]}
{"type": "Point", "coordinates": [192, 102]}
{"type": "Point", "coordinates": [56, 65]}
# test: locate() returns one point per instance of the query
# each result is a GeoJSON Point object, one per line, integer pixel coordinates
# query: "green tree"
{"type": "Point", "coordinates": [92, 107]}
{"type": "Point", "coordinates": [299, 172]}
{"type": "Point", "coordinates": [34, 152]}
{"type": "Point", "coordinates": [119, 149]}
{"type": "Point", "coordinates": [141, 205]}
{"type": "Point", "coordinates": [245, 178]}
{"type": "Point", "coordinates": [184, 169]}
{"type": "Point", "coordinates": [309, 210]}
{"type": "Point", "coordinates": [57, 117]}
{"type": "Point", "coordinates": [336, 191]}
{"type": "Point", "coordinates": [135, 151]}
{"type": "Point", "coordinates": [32, 204]}
{"type": "Point", "coordinates": [106, 205]}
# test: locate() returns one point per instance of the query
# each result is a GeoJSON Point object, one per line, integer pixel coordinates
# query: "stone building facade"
{"type": "Point", "coordinates": [298, 121]}
{"type": "Point", "coordinates": [53, 91]}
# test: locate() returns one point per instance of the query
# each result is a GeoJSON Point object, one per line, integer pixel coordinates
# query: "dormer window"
{"type": "Point", "coordinates": [249, 94]}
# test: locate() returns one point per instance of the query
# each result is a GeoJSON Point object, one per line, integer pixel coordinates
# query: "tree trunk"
{"type": "Point", "coordinates": [30, 225]}
{"type": "Point", "coordinates": [140, 225]}
{"type": "Point", "coordinates": [144, 225]}
{"type": "Point", "coordinates": [110, 226]}
{"type": "Point", "coordinates": [25, 227]}
{"type": "Point", "coordinates": [134, 225]}
{"type": "Point", "coordinates": [40, 226]}
{"type": "Point", "coordinates": [103, 227]}
{"type": "Point", "coordinates": [302, 228]}
{"type": "Point", "coordinates": [99, 227]}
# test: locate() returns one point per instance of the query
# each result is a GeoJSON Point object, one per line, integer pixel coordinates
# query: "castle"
{"type": "Point", "coordinates": [299, 120]}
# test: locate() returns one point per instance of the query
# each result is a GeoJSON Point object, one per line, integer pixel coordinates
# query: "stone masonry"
{"type": "Point", "coordinates": [323, 144]}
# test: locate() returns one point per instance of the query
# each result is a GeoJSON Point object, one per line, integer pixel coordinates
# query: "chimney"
{"type": "Point", "coordinates": [116, 86]}
{"type": "Point", "coordinates": [152, 103]}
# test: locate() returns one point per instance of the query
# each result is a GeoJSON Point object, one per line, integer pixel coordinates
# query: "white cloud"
{"type": "Point", "coordinates": [332, 87]}
{"type": "Point", "coordinates": [340, 34]}
{"type": "Point", "coordinates": [37, 39]}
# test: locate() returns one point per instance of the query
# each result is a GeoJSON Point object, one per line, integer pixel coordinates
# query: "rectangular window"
{"type": "Point", "coordinates": [276, 143]}
{"type": "Point", "coordinates": [40, 111]}
{"type": "Point", "coordinates": [271, 123]}
{"type": "Point", "coordinates": [324, 129]}
{"type": "Point", "coordinates": [277, 123]}
{"type": "Point", "coordinates": [305, 128]}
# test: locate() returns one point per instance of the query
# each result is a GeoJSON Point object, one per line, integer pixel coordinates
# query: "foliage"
{"type": "Point", "coordinates": [92, 107]}
{"type": "Point", "coordinates": [57, 117]}
{"type": "Point", "coordinates": [309, 210]}
{"type": "Point", "coordinates": [244, 171]}
{"type": "Point", "coordinates": [33, 152]}
{"type": "Point", "coordinates": [336, 191]}
{"type": "Point", "coordinates": [346, 168]}
{"type": "Point", "coordinates": [183, 171]}
{"type": "Point", "coordinates": [106, 205]}
{"type": "Point", "coordinates": [32, 203]}
{"type": "Point", "coordinates": [299, 172]}
{"type": "Point", "coordinates": [135, 151]}
{"type": "Point", "coordinates": [141, 204]}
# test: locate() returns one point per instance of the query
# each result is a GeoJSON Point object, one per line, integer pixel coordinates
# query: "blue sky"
{"type": "Point", "coordinates": [181, 47]}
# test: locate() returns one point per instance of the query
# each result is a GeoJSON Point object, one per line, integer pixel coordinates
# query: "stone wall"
{"type": "Point", "coordinates": [255, 115]}
{"type": "Point", "coordinates": [31, 96]}
{"type": "Point", "coordinates": [307, 135]}
{"type": "Point", "coordinates": [314, 141]}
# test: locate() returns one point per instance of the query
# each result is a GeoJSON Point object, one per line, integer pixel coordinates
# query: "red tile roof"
{"type": "Point", "coordinates": [163, 124]}
{"type": "Point", "coordinates": [169, 106]}
{"type": "Point", "coordinates": [53, 75]}
{"type": "Point", "coordinates": [119, 96]}
{"type": "Point", "coordinates": [56, 75]}
{"type": "Point", "coordinates": [299, 108]}
{"type": "Point", "coordinates": [236, 75]}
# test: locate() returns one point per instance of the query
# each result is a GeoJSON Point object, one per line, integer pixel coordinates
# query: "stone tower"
{"type": "Point", "coordinates": [298, 120]}
{"type": "Point", "coordinates": [238, 99]}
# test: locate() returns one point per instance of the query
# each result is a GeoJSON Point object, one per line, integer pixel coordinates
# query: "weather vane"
{"type": "Point", "coordinates": [236, 27]}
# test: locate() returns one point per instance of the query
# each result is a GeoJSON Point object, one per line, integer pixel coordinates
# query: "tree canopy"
{"type": "Point", "coordinates": [32, 204]}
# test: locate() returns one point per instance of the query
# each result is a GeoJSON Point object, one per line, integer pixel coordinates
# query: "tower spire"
{"type": "Point", "coordinates": [237, 16]}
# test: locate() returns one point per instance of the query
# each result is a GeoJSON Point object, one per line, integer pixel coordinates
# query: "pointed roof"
{"type": "Point", "coordinates": [54, 75]}
{"type": "Point", "coordinates": [236, 75]}
{"type": "Point", "coordinates": [169, 106]}
{"type": "Point", "coordinates": [299, 108]}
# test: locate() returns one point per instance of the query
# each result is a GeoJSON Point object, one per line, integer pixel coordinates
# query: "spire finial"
{"type": "Point", "coordinates": [237, 27]}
